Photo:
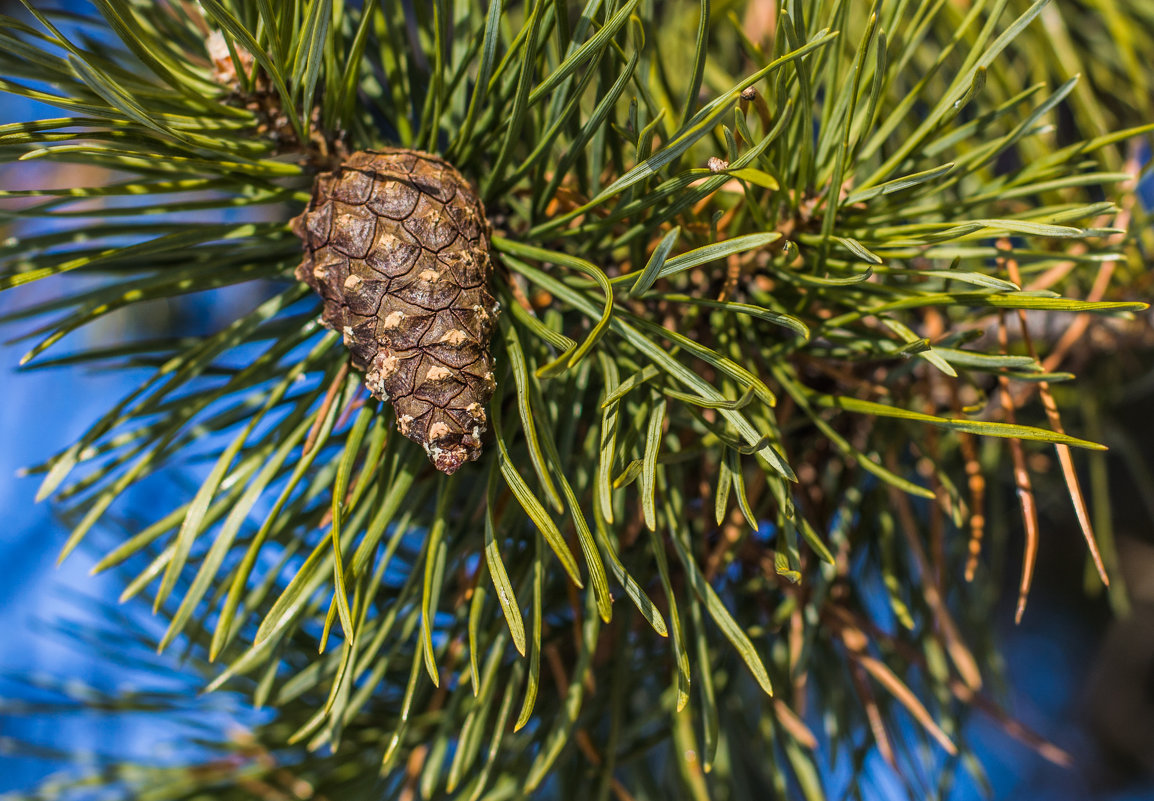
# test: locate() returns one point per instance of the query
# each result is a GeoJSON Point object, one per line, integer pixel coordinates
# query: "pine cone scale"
{"type": "Point", "coordinates": [396, 244]}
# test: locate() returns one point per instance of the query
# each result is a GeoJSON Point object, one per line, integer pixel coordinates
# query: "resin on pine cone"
{"type": "Point", "coordinates": [397, 245]}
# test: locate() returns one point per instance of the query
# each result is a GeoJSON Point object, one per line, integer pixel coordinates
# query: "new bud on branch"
{"type": "Point", "coordinates": [397, 245]}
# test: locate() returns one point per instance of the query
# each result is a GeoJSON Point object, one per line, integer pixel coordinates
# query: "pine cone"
{"type": "Point", "coordinates": [397, 245]}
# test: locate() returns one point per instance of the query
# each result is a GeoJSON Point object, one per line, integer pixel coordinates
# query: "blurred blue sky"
{"type": "Point", "coordinates": [42, 411]}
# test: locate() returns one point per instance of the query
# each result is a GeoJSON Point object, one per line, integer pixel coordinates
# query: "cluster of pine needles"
{"type": "Point", "coordinates": [771, 282]}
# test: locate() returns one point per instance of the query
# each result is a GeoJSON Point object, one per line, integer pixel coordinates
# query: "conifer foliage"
{"type": "Point", "coordinates": [760, 271]}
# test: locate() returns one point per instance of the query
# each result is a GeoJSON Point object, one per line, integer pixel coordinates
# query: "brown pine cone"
{"type": "Point", "coordinates": [397, 245]}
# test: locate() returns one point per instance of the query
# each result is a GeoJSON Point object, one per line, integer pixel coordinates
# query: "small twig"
{"type": "Point", "coordinates": [352, 407]}
{"type": "Point", "coordinates": [964, 661]}
{"type": "Point", "coordinates": [977, 486]}
{"type": "Point", "coordinates": [1022, 480]}
{"type": "Point", "coordinates": [519, 295]}
{"type": "Point", "coordinates": [323, 412]}
{"type": "Point", "coordinates": [1077, 329]}
{"type": "Point", "coordinates": [1065, 457]}
{"type": "Point", "coordinates": [732, 274]}
{"type": "Point", "coordinates": [796, 643]}
{"type": "Point", "coordinates": [857, 645]}
{"type": "Point", "coordinates": [865, 694]}
{"type": "Point", "coordinates": [792, 723]}
{"type": "Point", "coordinates": [963, 693]}
{"type": "Point", "coordinates": [581, 736]}
{"type": "Point", "coordinates": [1082, 321]}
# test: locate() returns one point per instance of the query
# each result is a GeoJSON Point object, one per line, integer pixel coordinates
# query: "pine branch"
{"type": "Point", "coordinates": [734, 278]}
